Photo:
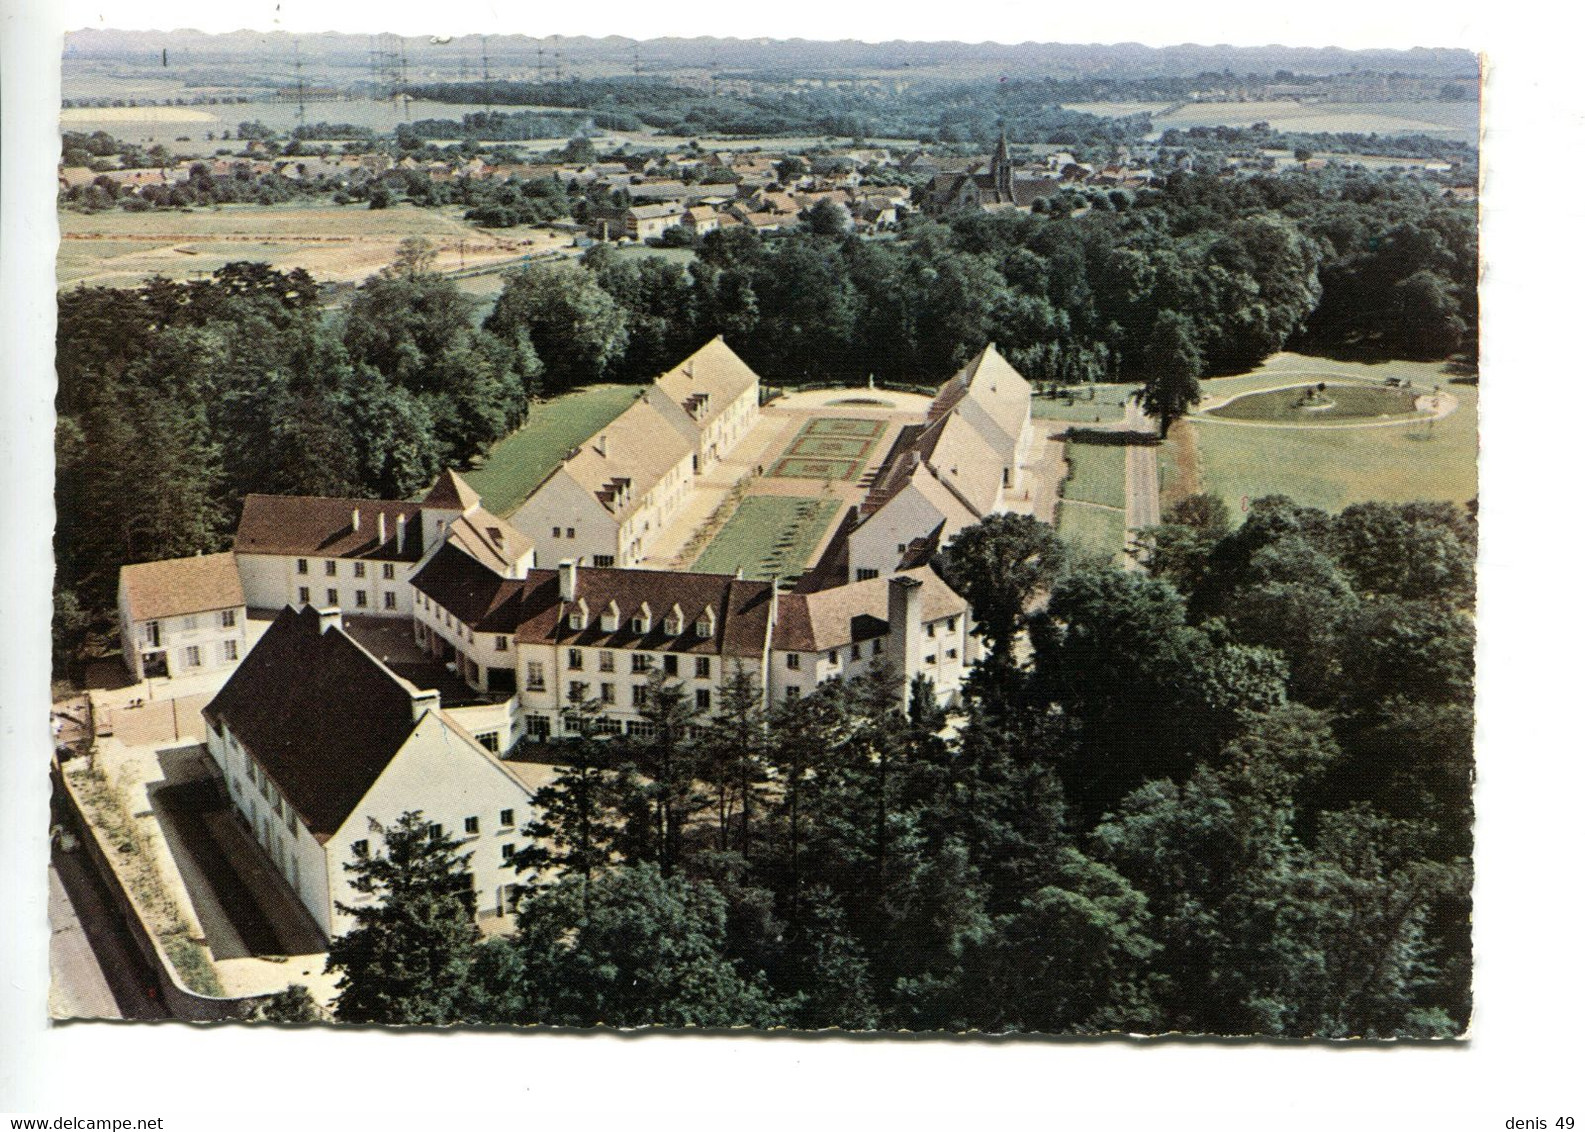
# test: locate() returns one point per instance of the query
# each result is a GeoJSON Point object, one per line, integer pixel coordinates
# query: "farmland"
{"type": "Point", "coordinates": [340, 243]}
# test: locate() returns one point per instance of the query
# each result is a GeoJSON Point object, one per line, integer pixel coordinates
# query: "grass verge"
{"type": "Point", "coordinates": [768, 536]}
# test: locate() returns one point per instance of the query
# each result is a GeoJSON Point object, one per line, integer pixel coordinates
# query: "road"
{"type": "Point", "coordinates": [96, 970]}
{"type": "Point", "coordinates": [1142, 483]}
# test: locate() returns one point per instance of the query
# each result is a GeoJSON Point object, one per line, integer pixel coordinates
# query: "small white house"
{"type": "Point", "coordinates": [320, 745]}
{"type": "Point", "coordinates": [182, 616]}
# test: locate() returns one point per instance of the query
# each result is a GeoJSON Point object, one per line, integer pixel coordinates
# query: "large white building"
{"type": "Point", "coordinates": [182, 617]}
{"type": "Point", "coordinates": [967, 461]}
{"type": "Point", "coordinates": [612, 494]}
{"type": "Point", "coordinates": [320, 744]}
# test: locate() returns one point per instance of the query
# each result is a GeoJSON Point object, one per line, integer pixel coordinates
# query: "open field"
{"type": "Point", "coordinates": [769, 536]}
{"type": "Point", "coordinates": [517, 463]}
{"type": "Point", "coordinates": [1458, 121]}
{"type": "Point", "coordinates": [1333, 466]}
{"type": "Point", "coordinates": [1107, 405]}
{"type": "Point", "coordinates": [335, 242]}
{"type": "Point", "coordinates": [1342, 401]}
{"type": "Point", "coordinates": [1096, 474]}
{"type": "Point", "coordinates": [1091, 530]}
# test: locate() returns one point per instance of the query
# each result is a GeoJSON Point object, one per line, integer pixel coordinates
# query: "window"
{"type": "Point", "coordinates": [490, 740]}
{"type": "Point", "coordinates": [608, 693]}
{"type": "Point", "coordinates": [931, 659]}
{"type": "Point", "coordinates": [555, 532]}
{"type": "Point", "coordinates": [190, 622]}
{"type": "Point", "coordinates": [831, 657]}
{"type": "Point", "coordinates": [576, 690]}
{"type": "Point", "coordinates": [641, 728]}
{"type": "Point", "coordinates": [360, 599]}
{"type": "Point", "coordinates": [952, 624]}
{"type": "Point", "coordinates": [794, 661]}
{"type": "Point", "coordinates": [879, 646]}
{"type": "Point", "coordinates": [575, 660]}
{"type": "Point", "coordinates": [508, 851]}
{"type": "Point", "coordinates": [228, 649]}
{"type": "Point", "coordinates": [195, 656]}
{"type": "Point", "coordinates": [607, 660]}
{"type": "Point", "coordinates": [669, 663]}
{"type": "Point", "coordinates": [330, 568]}
{"type": "Point", "coordinates": [865, 574]}
{"type": "Point", "coordinates": [572, 532]}
{"type": "Point", "coordinates": [930, 629]}
{"type": "Point", "coordinates": [228, 618]}
{"type": "Point", "coordinates": [952, 654]}
{"type": "Point", "coordinates": [360, 848]}
{"type": "Point", "coordinates": [605, 560]}
{"type": "Point", "coordinates": [640, 695]}
{"type": "Point", "coordinates": [388, 571]}
{"type": "Point", "coordinates": [302, 565]}
{"type": "Point", "coordinates": [701, 699]}
{"type": "Point", "coordinates": [435, 831]}
{"type": "Point", "coordinates": [793, 694]}
{"type": "Point", "coordinates": [701, 667]}
{"type": "Point", "coordinates": [390, 600]}
{"type": "Point", "coordinates": [642, 662]}
{"type": "Point", "coordinates": [357, 569]}
{"type": "Point", "coordinates": [857, 652]}
{"type": "Point", "coordinates": [332, 596]}
{"type": "Point", "coordinates": [470, 825]}
{"type": "Point", "coordinates": [500, 642]}
{"type": "Point", "coordinates": [507, 819]}
{"type": "Point", "coordinates": [534, 676]}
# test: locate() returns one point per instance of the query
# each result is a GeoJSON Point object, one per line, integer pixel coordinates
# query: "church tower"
{"type": "Point", "coordinates": [1002, 171]}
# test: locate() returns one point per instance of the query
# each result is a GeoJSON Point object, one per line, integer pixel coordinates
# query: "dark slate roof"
{"type": "Point", "coordinates": [314, 525]}
{"type": "Point", "coordinates": [532, 609]}
{"type": "Point", "coordinates": [321, 716]}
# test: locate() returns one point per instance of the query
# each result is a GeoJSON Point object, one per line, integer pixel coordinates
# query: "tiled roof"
{"type": "Point", "coordinates": [450, 493]}
{"type": "Point", "coordinates": [640, 446]}
{"type": "Point", "coordinates": [532, 608]}
{"type": "Point", "coordinates": [180, 586]}
{"type": "Point", "coordinates": [313, 525]}
{"type": "Point", "coordinates": [713, 372]}
{"type": "Point", "coordinates": [321, 716]}
{"type": "Point", "coordinates": [481, 535]}
{"type": "Point", "coordinates": [829, 619]}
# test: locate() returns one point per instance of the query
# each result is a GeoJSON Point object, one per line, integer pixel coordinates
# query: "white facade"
{"type": "Point", "coordinates": [185, 645]}
{"type": "Point", "coordinates": [359, 585]}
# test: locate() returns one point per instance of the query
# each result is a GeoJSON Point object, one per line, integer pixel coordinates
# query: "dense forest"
{"type": "Point", "coordinates": [1231, 797]}
{"type": "Point", "coordinates": [251, 384]}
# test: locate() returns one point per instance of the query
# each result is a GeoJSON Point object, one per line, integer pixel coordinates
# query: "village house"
{"type": "Point", "coordinates": [182, 617]}
{"type": "Point", "coordinates": [701, 220]}
{"type": "Point", "coordinates": [963, 464]}
{"type": "Point", "coordinates": [606, 499]}
{"type": "Point", "coordinates": [319, 745]}
{"type": "Point", "coordinates": [635, 222]}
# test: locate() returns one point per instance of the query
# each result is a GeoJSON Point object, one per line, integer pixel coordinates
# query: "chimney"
{"type": "Point", "coordinates": [401, 533]}
{"type": "Point", "coordinates": [905, 628]}
{"type": "Point", "coordinates": [329, 618]}
{"type": "Point", "coordinates": [600, 446]}
{"type": "Point", "coordinates": [428, 700]}
{"type": "Point", "coordinates": [357, 518]}
{"type": "Point", "coordinates": [567, 574]}
{"type": "Point", "coordinates": [382, 528]}
{"type": "Point", "coordinates": [775, 598]}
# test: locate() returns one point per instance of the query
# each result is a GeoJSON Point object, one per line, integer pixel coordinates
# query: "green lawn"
{"type": "Point", "coordinates": [768, 535]}
{"type": "Point", "coordinates": [1308, 405]}
{"type": "Point", "coordinates": [518, 462]}
{"type": "Point", "coordinates": [1333, 467]}
{"type": "Point", "coordinates": [1091, 531]}
{"type": "Point", "coordinates": [1107, 406]}
{"type": "Point", "coordinates": [1096, 473]}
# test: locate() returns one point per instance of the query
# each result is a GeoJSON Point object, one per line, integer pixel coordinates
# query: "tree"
{"type": "Point", "coordinates": [576, 329]}
{"type": "Point", "coordinates": [1172, 366]}
{"type": "Point", "coordinates": [292, 1006]}
{"type": "Point", "coordinates": [407, 958]}
{"type": "Point", "coordinates": [648, 952]}
{"type": "Point", "coordinates": [999, 565]}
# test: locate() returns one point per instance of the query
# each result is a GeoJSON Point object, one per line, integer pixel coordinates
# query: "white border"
{"type": "Point", "coordinates": [1528, 924]}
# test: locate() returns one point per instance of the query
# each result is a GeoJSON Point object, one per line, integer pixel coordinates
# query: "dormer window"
{"type": "Point", "coordinates": [611, 618]}
{"type": "Point", "coordinates": [674, 622]}
{"type": "Point", "coordinates": [705, 626]}
{"type": "Point", "coordinates": [642, 619]}
{"type": "Point", "coordinates": [578, 616]}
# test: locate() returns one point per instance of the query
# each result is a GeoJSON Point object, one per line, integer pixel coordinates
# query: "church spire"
{"type": "Point", "coordinates": [1002, 170]}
